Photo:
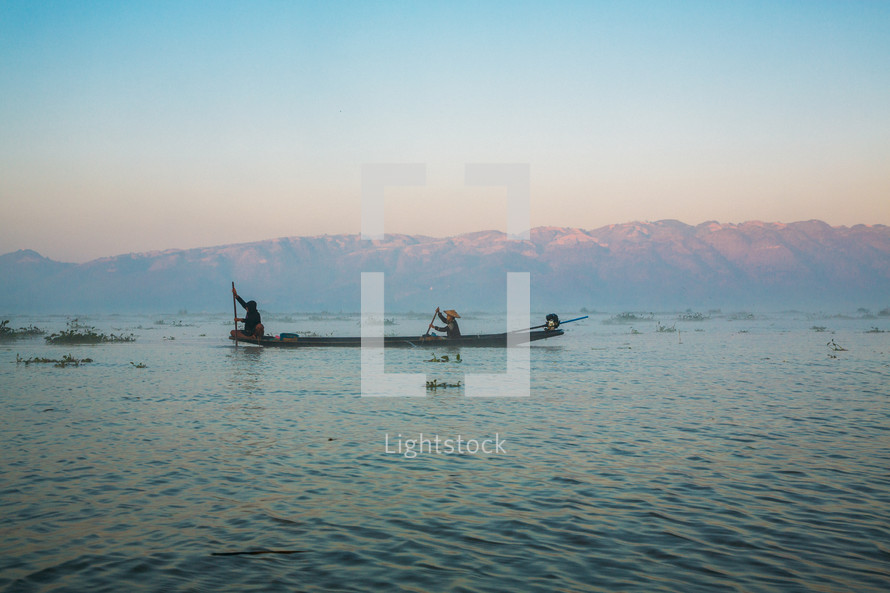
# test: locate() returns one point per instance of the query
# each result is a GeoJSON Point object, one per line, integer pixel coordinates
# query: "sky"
{"type": "Point", "coordinates": [130, 127]}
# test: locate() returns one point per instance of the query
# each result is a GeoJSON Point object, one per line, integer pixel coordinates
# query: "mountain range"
{"type": "Point", "coordinates": [663, 265]}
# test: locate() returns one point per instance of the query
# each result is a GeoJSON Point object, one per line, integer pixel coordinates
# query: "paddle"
{"type": "Point", "coordinates": [235, 308]}
{"type": "Point", "coordinates": [575, 319]}
{"type": "Point", "coordinates": [431, 323]}
{"type": "Point", "coordinates": [561, 323]}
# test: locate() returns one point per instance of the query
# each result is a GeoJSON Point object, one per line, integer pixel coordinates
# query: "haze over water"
{"type": "Point", "coordinates": [740, 453]}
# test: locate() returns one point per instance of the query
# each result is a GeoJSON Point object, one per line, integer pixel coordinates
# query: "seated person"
{"type": "Point", "coordinates": [253, 327]}
{"type": "Point", "coordinates": [451, 329]}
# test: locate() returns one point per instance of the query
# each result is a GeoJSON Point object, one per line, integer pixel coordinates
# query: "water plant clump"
{"type": "Point", "coordinates": [77, 333]}
{"type": "Point", "coordinates": [445, 358]}
{"type": "Point", "coordinates": [9, 333]}
{"type": "Point", "coordinates": [741, 316]}
{"type": "Point", "coordinates": [67, 360]}
{"type": "Point", "coordinates": [173, 323]}
{"type": "Point", "coordinates": [435, 384]}
{"type": "Point", "coordinates": [690, 316]}
{"type": "Point", "coordinates": [628, 317]}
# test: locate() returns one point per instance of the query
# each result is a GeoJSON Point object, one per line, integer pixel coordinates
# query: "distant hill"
{"type": "Point", "coordinates": [664, 265]}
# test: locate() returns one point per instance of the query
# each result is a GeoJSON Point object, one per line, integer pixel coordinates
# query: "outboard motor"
{"type": "Point", "coordinates": [552, 321]}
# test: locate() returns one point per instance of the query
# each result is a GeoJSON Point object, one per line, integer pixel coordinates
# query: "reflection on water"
{"type": "Point", "coordinates": [742, 455]}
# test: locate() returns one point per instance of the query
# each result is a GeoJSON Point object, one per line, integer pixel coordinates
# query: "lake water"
{"type": "Point", "coordinates": [738, 454]}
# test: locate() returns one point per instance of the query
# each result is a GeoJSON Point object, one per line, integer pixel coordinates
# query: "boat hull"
{"type": "Point", "coordinates": [478, 341]}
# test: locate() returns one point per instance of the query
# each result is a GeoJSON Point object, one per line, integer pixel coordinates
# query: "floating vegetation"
{"type": "Point", "coordinates": [741, 316]}
{"type": "Point", "coordinates": [835, 347]}
{"type": "Point", "coordinates": [141, 365]}
{"type": "Point", "coordinates": [173, 323]}
{"type": "Point", "coordinates": [819, 328]}
{"type": "Point", "coordinates": [8, 333]}
{"type": "Point", "coordinates": [66, 360]}
{"type": "Point", "coordinates": [83, 334]}
{"type": "Point", "coordinates": [445, 358]}
{"type": "Point", "coordinates": [690, 316]}
{"type": "Point", "coordinates": [664, 328]}
{"type": "Point", "coordinates": [372, 320]}
{"type": "Point", "coordinates": [875, 330]}
{"type": "Point", "coordinates": [635, 332]}
{"type": "Point", "coordinates": [283, 318]}
{"type": "Point", "coordinates": [329, 316]}
{"type": "Point", "coordinates": [628, 317]}
{"type": "Point", "coordinates": [434, 385]}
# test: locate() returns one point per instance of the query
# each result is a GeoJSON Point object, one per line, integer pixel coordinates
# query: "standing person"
{"type": "Point", "coordinates": [253, 327]}
{"type": "Point", "coordinates": [451, 329]}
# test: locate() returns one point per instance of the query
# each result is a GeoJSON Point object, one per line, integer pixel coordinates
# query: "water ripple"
{"type": "Point", "coordinates": [725, 462]}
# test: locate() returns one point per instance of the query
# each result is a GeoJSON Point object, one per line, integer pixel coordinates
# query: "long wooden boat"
{"type": "Point", "coordinates": [478, 340]}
